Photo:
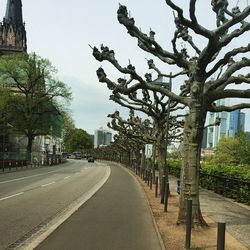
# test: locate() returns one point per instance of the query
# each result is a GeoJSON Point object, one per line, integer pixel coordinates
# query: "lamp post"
{"type": "Point", "coordinates": [161, 81]}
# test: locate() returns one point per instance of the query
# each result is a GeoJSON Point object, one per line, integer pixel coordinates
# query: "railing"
{"type": "Point", "coordinates": [15, 160]}
{"type": "Point", "coordinates": [228, 187]}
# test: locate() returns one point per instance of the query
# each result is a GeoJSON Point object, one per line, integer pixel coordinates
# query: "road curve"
{"type": "Point", "coordinates": [116, 217]}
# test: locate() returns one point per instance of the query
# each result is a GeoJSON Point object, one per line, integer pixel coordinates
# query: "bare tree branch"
{"type": "Point", "coordinates": [196, 28]}
{"type": "Point", "coordinates": [227, 77]}
{"type": "Point", "coordinates": [231, 108]}
{"type": "Point", "coordinates": [227, 57]}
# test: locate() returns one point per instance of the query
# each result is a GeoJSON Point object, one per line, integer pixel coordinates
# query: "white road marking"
{"type": "Point", "coordinates": [5, 198]}
{"type": "Point", "coordinates": [66, 177]}
{"type": "Point", "coordinates": [26, 177]}
{"type": "Point", "coordinates": [45, 185]}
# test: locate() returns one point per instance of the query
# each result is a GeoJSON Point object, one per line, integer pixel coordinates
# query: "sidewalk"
{"type": "Point", "coordinates": [236, 216]}
{"type": "Point", "coordinates": [219, 208]}
{"type": "Point", "coordinates": [116, 217]}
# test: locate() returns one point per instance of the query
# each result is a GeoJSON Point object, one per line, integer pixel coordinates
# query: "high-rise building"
{"type": "Point", "coordinates": [237, 122]}
{"type": "Point", "coordinates": [230, 124]}
{"type": "Point", "coordinates": [102, 137]}
{"type": "Point", "coordinates": [215, 133]}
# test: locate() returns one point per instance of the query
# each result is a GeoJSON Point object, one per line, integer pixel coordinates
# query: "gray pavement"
{"type": "Point", "coordinates": [117, 217]}
{"type": "Point", "coordinates": [218, 208]}
{"type": "Point", "coordinates": [237, 217]}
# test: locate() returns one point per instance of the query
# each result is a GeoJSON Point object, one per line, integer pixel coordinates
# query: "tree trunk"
{"type": "Point", "coordinates": [161, 155]}
{"type": "Point", "coordinates": [143, 159]}
{"type": "Point", "coordinates": [193, 133]}
{"type": "Point", "coordinates": [153, 161]}
{"type": "Point", "coordinates": [29, 148]}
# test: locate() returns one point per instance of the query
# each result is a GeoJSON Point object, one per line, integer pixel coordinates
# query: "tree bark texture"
{"type": "Point", "coordinates": [192, 140]}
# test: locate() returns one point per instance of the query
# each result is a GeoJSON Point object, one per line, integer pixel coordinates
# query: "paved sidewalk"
{"type": "Point", "coordinates": [218, 208]}
{"type": "Point", "coordinates": [237, 217]}
{"type": "Point", "coordinates": [117, 217]}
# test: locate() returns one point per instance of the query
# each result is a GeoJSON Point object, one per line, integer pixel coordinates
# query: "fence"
{"type": "Point", "coordinates": [14, 160]}
{"type": "Point", "coordinates": [228, 187]}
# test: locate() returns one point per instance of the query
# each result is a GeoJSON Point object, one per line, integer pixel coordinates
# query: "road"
{"type": "Point", "coordinates": [117, 217]}
{"type": "Point", "coordinates": [31, 199]}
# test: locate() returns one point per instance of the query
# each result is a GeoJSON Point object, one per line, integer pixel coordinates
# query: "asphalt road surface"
{"type": "Point", "coordinates": [117, 217]}
{"type": "Point", "coordinates": [29, 199]}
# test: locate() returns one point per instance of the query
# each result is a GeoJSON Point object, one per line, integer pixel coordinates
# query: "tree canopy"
{"type": "Point", "coordinates": [37, 96]}
{"type": "Point", "coordinates": [77, 139]}
{"type": "Point", "coordinates": [232, 150]}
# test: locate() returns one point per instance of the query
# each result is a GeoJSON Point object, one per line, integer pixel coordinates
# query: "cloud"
{"type": "Point", "coordinates": [90, 105]}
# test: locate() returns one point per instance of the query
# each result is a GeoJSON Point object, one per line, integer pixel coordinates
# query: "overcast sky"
{"type": "Point", "coordinates": [61, 30]}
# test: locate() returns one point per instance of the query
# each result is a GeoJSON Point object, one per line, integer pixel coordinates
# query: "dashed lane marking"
{"type": "Point", "coordinates": [8, 197]}
{"type": "Point", "coordinates": [45, 185]}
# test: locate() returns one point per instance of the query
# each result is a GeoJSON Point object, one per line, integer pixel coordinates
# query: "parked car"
{"type": "Point", "coordinates": [91, 159]}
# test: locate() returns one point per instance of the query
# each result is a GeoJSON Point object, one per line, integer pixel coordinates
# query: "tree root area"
{"type": "Point", "coordinates": [173, 235]}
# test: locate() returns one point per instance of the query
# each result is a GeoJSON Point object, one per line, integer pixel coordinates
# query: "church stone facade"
{"type": "Point", "coordinates": [12, 29]}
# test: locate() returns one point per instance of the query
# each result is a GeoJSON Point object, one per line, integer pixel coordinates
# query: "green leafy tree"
{"type": "Point", "coordinates": [233, 150]}
{"type": "Point", "coordinates": [225, 151]}
{"type": "Point", "coordinates": [4, 96]}
{"type": "Point", "coordinates": [37, 99]}
{"type": "Point", "coordinates": [68, 126]}
{"type": "Point", "coordinates": [77, 140]}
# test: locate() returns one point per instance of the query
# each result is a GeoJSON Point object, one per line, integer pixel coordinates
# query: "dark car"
{"type": "Point", "coordinates": [91, 159]}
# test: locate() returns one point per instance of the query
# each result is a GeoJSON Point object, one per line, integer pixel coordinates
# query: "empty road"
{"type": "Point", "coordinates": [31, 199]}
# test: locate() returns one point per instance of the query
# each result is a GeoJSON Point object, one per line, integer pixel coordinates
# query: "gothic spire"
{"type": "Point", "coordinates": [12, 29]}
{"type": "Point", "coordinates": [13, 13]}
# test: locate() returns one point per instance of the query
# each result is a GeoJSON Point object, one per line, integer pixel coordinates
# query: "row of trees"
{"type": "Point", "coordinates": [75, 139]}
{"type": "Point", "coordinates": [211, 70]}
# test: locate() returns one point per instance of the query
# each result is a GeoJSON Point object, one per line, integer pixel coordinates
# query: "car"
{"type": "Point", "coordinates": [91, 159]}
{"type": "Point", "coordinates": [77, 155]}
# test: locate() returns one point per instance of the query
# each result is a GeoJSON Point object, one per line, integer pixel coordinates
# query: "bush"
{"type": "Point", "coordinates": [229, 181]}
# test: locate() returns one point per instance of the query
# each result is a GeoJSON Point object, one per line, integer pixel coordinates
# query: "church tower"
{"type": "Point", "coordinates": [12, 29]}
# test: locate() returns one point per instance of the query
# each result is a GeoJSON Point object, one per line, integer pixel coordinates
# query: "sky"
{"type": "Point", "coordinates": [62, 31]}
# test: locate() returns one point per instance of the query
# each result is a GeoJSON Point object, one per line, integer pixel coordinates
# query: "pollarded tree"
{"type": "Point", "coordinates": [135, 129]}
{"type": "Point", "coordinates": [158, 107]}
{"type": "Point", "coordinates": [199, 91]}
{"type": "Point", "coordinates": [145, 132]}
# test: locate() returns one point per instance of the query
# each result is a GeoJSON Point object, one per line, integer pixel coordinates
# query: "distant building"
{"type": "Point", "coordinates": [230, 124]}
{"type": "Point", "coordinates": [102, 137]}
{"type": "Point", "coordinates": [237, 122]}
{"type": "Point", "coordinates": [215, 133]}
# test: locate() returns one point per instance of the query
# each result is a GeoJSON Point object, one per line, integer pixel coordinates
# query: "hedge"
{"type": "Point", "coordinates": [229, 181]}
